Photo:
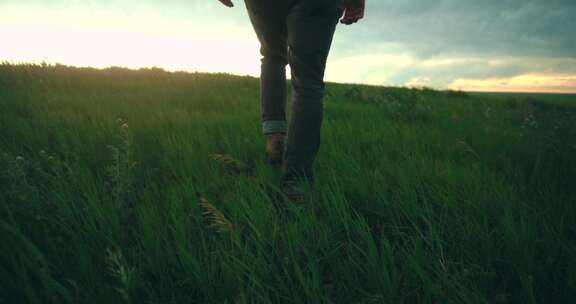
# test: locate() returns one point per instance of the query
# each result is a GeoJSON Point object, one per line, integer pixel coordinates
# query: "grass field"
{"type": "Point", "coordinates": [121, 186]}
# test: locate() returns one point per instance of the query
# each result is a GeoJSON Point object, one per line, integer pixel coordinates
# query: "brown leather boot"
{"type": "Point", "coordinates": [293, 191]}
{"type": "Point", "coordinates": [274, 148]}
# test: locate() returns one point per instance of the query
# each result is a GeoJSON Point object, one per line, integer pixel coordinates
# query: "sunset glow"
{"type": "Point", "coordinates": [523, 83]}
{"type": "Point", "coordinates": [83, 38]}
{"type": "Point", "coordinates": [203, 36]}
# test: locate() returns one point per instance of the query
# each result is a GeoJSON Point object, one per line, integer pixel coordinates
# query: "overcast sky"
{"type": "Point", "coordinates": [497, 45]}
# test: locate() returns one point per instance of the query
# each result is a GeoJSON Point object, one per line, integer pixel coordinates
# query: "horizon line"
{"type": "Point", "coordinates": [56, 64]}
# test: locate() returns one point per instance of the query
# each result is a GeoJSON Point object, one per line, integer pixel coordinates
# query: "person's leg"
{"type": "Point", "coordinates": [311, 26]}
{"type": "Point", "coordinates": [270, 27]}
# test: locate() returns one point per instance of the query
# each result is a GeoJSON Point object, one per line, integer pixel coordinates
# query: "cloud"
{"type": "Point", "coordinates": [440, 43]}
{"type": "Point", "coordinates": [457, 40]}
{"type": "Point", "coordinates": [524, 83]}
{"type": "Point", "coordinates": [443, 71]}
{"type": "Point", "coordinates": [490, 27]}
{"type": "Point", "coordinates": [407, 69]}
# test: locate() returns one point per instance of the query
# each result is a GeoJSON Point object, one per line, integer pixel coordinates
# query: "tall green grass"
{"type": "Point", "coordinates": [121, 186]}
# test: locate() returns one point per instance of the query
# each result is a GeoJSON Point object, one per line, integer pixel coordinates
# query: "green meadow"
{"type": "Point", "coordinates": [122, 186]}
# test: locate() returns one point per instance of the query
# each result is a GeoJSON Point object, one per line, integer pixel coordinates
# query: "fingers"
{"type": "Point", "coordinates": [351, 17]}
{"type": "Point", "coordinates": [353, 11]}
{"type": "Point", "coordinates": [349, 21]}
{"type": "Point", "coordinates": [346, 21]}
{"type": "Point", "coordinates": [228, 3]}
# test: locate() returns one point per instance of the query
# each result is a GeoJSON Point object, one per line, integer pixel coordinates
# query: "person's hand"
{"type": "Point", "coordinates": [228, 3]}
{"type": "Point", "coordinates": [353, 11]}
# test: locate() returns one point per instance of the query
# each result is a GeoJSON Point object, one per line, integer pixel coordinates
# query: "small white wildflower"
{"type": "Point", "coordinates": [19, 158]}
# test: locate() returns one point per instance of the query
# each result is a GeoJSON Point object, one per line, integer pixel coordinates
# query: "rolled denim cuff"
{"type": "Point", "coordinates": [274, 126]}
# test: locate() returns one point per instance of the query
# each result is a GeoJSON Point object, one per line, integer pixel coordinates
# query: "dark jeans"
{"type": "Point", "coordinates": [299, 33]}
